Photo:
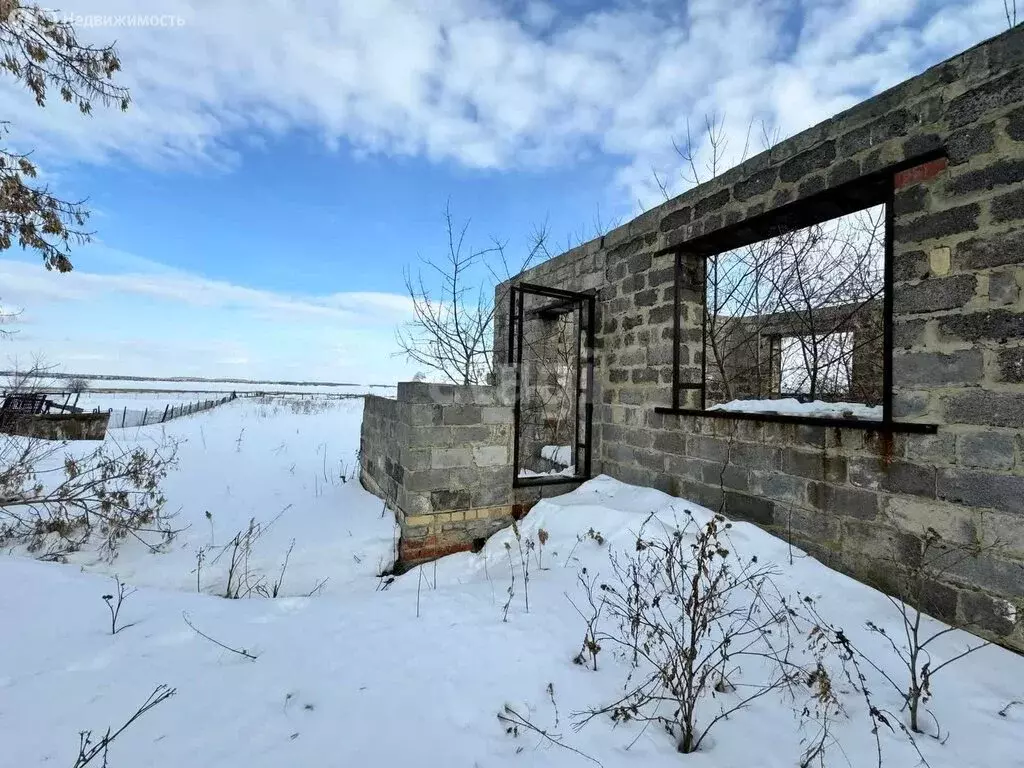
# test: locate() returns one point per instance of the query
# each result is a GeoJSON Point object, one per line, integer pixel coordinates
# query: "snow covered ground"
{"type": "Point", "coordinates": [414, 674]}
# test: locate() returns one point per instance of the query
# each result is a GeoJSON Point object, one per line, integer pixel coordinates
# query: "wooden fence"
{"type": "Point", "coordinates": [133, 418]}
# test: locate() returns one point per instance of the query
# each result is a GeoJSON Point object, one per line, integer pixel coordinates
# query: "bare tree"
{"type": "Point", "coordinates": [794, 313]}
{"type": "Point", "coordinates": [52, 502]}
{"type": "Point", "coordinates": [29, 378]}
{"type": "Point", "coordinates": [42, 53]}
{"type": "Point", "coordinates": [1010, 10]}
{"type": "Point", "coordinates": [452, 329]}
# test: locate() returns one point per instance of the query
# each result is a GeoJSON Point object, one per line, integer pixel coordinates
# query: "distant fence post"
{"type": "Point", "coordinates": [145, 413]}
{"type": "Point", "coordinates": [124, 416]}
{"type": "Point", "coordinates": [165, 413]}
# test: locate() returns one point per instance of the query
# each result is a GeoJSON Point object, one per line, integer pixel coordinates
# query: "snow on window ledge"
{"type": "Point", "coordinates": [564, 472]}
{"type": "Point", "coordinates": [557, 454]}
{"type": "Point", "coordinates": [792, 407]}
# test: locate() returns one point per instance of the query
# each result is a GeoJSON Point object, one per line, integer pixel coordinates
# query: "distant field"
{"type": "Point", "coordinates": [140, 394]}
{"type": "Point", "coordinates": [179, 386]}
{"type": "Point", "coordinates": [105, 383]}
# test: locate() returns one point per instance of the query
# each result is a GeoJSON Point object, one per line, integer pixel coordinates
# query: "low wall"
{"type": "Point", "coordinates": [441, 456]}
{"type": "Point", "coordinates": [53, 426]}
{"type": "Point", "coordinates": [380, 471]}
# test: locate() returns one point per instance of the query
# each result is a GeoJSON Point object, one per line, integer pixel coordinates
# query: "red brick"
{"type": "Point", "coordinates": [920, 173]}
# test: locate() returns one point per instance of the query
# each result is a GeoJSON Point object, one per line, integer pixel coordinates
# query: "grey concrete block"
{"type": "Point", "coordinates": [496, 414]}
{"type": "Point", "coordinates": [910, 265]}
{"type": "Point", "coordinates": [676, 219]}
{"type": "Point", "coordinates": [746, 507]}
{"type": "Point", "coordinates": [843, 500]}
{"type": "Point", "coordinates": [939, 600]}
{"type": "Point", "coordinates": [1008, 207]}
{"type": "Point", "coordinates": [999, 173]}
{"type": "Point", "coordinates": [729, 476]}
{"type": "Point", "coordinates": [972, 105]}
{"type": "Point", "coordinates": [806, 162]}
{"type": "Point", "coordinates": [909, 333]}
{"type": "Point", "coordinates": [712, 203]}
{"type": "Point", "coordinates": [933, 368]}
{"type": "Point", "coordinates": [938, 448]}
{"type": "Point", "coordinates": [424, 392]}
{"type": "Point", "coordinates": [449, 458]}
{"type": "Point", "coordinates": [992, 250]}
{"type": "Point", "coordinates": [490, 456]}
{"type": "Point", "coordinates": [1015, 124]}
{"type": "Point", "coordinates": [987, 450]}
{"type": "Point", "coordinates": [993, 574]}
{"type": "Point", "coordinates": [1003, 288]}
{"type": "Point", "coordinates": [1011, 364]}
{"type": "Point", "coordinates": [814, 465]}
{"type": "Point", "coordinates": [978, 406]}
{"type": "Point", "coordinates": [421, 414]}
{"type": "Point", "coordinates": [995, 324]}
{"type": "Point", "coordinates": [707, 448]}
{"type": "Point", "coordinates": [934, 294]}
{"type": "Point", "coordinates": [909, 404]}
{"type": "Point", "coordinates": [685, 468]}
{"type": "Point", "coordinates": [929, 226]}
{"type": "Point", "coordinates": [671, 442]}
{"type": "Point", "coordinates": [982, 489]}
{"type": "Point", "coordinates": [912, 199]}
{"type": "Point", "coordinates": [965, 143]}
{"type": "Point", "coordinates": [753, 455]}
{"type": "Point", "coordinates": [462, 415]}
{"type": "Point", "coordinates": [426, 480]}
{"type": "Point", "coordinates": [494, 495]}
{"type": "Point", "coordinates": [450, 500]}
{"type": "Point", "coordinates": [779, 487]}
{"type": "Point", "coordinates": [987, 612]}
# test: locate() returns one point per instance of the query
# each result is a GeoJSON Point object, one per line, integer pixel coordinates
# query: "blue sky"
{"type": "Point", "coordinates": [283, 161]}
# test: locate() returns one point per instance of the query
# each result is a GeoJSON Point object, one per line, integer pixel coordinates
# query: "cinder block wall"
{"type": "Point", "coordinates": [379, 468]}
{"type": "Point", "coordinates": [849, 495]}
{"type": "Point", "coordinates": [441, 455]}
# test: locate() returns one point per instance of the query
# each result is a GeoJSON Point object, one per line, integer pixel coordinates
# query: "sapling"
{"type": "Point", "coordinates": [524, 562]}
{"type": "Point", "coordinates": [114, 603]}
{"type": "Point", "coordinates": [937, 558]}
{"type": "Point", "coordinates": [512, 583]}
{"type": "Point", "coordinates": [590, 644]}
{"type": "Point", "coordinates": [912, 582]}
{"type": "Point", "coordinates": [681, 611]}
{"type": "Point", "coordinates": [200, 557]}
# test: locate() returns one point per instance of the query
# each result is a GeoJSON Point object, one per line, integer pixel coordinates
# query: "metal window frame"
{"type": "Point", "coordinates": [699, 247]}
{"type": "Point", "coordinates": [585, 309]}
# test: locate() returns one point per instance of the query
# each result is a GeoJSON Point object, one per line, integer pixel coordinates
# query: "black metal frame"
{"type": "Point", "coordinates": [584, 305]}
{"type": "Point", "coordinates": [862, 193]}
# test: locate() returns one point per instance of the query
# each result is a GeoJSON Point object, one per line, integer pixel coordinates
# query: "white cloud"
{"type": "Point", "coordinates": [161, 321]}
{"type": "Point", "coordinates": [476, 82]}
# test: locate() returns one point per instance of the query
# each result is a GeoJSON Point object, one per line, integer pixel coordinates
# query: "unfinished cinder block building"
{"type": "Point", "coordinates": [632, 356]}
